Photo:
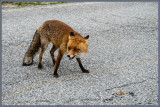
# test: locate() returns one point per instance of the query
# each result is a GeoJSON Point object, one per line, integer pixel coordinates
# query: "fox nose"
{"type": "Point", "coordinates": [68, 55]}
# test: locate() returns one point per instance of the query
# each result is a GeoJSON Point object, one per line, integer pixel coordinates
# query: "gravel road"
{"type": "Point", "coordinates": [123, 55]}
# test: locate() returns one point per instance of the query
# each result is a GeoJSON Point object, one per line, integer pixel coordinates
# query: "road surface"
{"type": "Point", "coordinates": [123, 55]}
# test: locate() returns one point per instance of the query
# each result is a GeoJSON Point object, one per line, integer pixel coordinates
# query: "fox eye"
{"type": "Point", "coordinates": [69, 48]}
{"type": "Point", "coordinates": [76, 49]}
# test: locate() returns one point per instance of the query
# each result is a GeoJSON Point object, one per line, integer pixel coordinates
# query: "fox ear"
{"type": "Point", "coordinates": [72, 34]}
{"type": "Point", "coordinates": [86, 37]}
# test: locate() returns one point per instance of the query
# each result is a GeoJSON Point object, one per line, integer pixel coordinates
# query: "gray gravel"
{"type": "Point", "coordinates": [123, 55]}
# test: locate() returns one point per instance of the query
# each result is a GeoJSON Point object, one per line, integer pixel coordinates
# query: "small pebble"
{"type": "Point", "coordinates": [120, 93]}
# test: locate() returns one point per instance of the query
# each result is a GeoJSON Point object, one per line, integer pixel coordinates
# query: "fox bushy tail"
{"type": "Point", "coordinates": [34, 47]}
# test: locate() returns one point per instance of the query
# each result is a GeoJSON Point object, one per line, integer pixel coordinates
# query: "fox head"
{"type": "Point", "coordinates": [76, 45]}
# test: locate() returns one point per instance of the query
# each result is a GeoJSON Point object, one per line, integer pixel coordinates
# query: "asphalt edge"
{"type": "Point", "coordinates": [81, 1]}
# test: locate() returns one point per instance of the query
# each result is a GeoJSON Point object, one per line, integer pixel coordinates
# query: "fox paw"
{"type": "Point", "coordinates": [55, 75]}
{"type": "Point", "coordinates": [40, 66]}
{"type": "Point", "coordinates": [86, 71]}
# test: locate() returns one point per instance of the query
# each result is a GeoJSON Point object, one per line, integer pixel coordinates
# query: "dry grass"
{"type": "Point", "coordinates": [23, 4]}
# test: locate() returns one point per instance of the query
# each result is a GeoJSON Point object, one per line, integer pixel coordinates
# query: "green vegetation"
{"type": "Point", "coordinates": [23, 4]}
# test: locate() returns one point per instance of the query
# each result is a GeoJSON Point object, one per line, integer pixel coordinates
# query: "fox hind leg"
{"type": "Point", "coordinates": [54, 48]}
{"type": "Point", "coordinates": [43, 48]}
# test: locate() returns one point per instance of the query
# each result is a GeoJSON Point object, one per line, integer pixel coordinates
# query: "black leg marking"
{"type": "Point", "coordinates": [55, 74]}
{"type": "Point", "coordinates": [40, 66]}
{"type": "Point", "coordinates": [81, 66]}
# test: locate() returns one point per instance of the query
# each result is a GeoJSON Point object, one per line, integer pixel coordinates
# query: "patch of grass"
{"type": "Point", "coordinates": [23, 4]}
{"type": "Point", "coordinates": [56, 2]}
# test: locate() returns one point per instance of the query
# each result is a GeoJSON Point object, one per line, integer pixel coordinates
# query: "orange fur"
{"type": "Point", "coordinates": [63, 37]}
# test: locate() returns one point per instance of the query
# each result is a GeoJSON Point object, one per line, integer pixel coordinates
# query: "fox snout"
{"type": "Point", "coordinates": [71, 56]}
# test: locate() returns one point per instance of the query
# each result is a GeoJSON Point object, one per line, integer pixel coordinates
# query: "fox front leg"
{"type": "Point", "coordinates": [58, 60]}
{"type": "Point", "coordinates": [81, 66]}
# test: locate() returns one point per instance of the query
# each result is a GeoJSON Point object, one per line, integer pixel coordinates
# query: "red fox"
{"type": "Point", "coordinates": [63, 37]}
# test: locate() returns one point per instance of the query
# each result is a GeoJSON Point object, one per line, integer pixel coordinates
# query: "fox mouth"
{"type": "Point", "coordinates": [70, 58]}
